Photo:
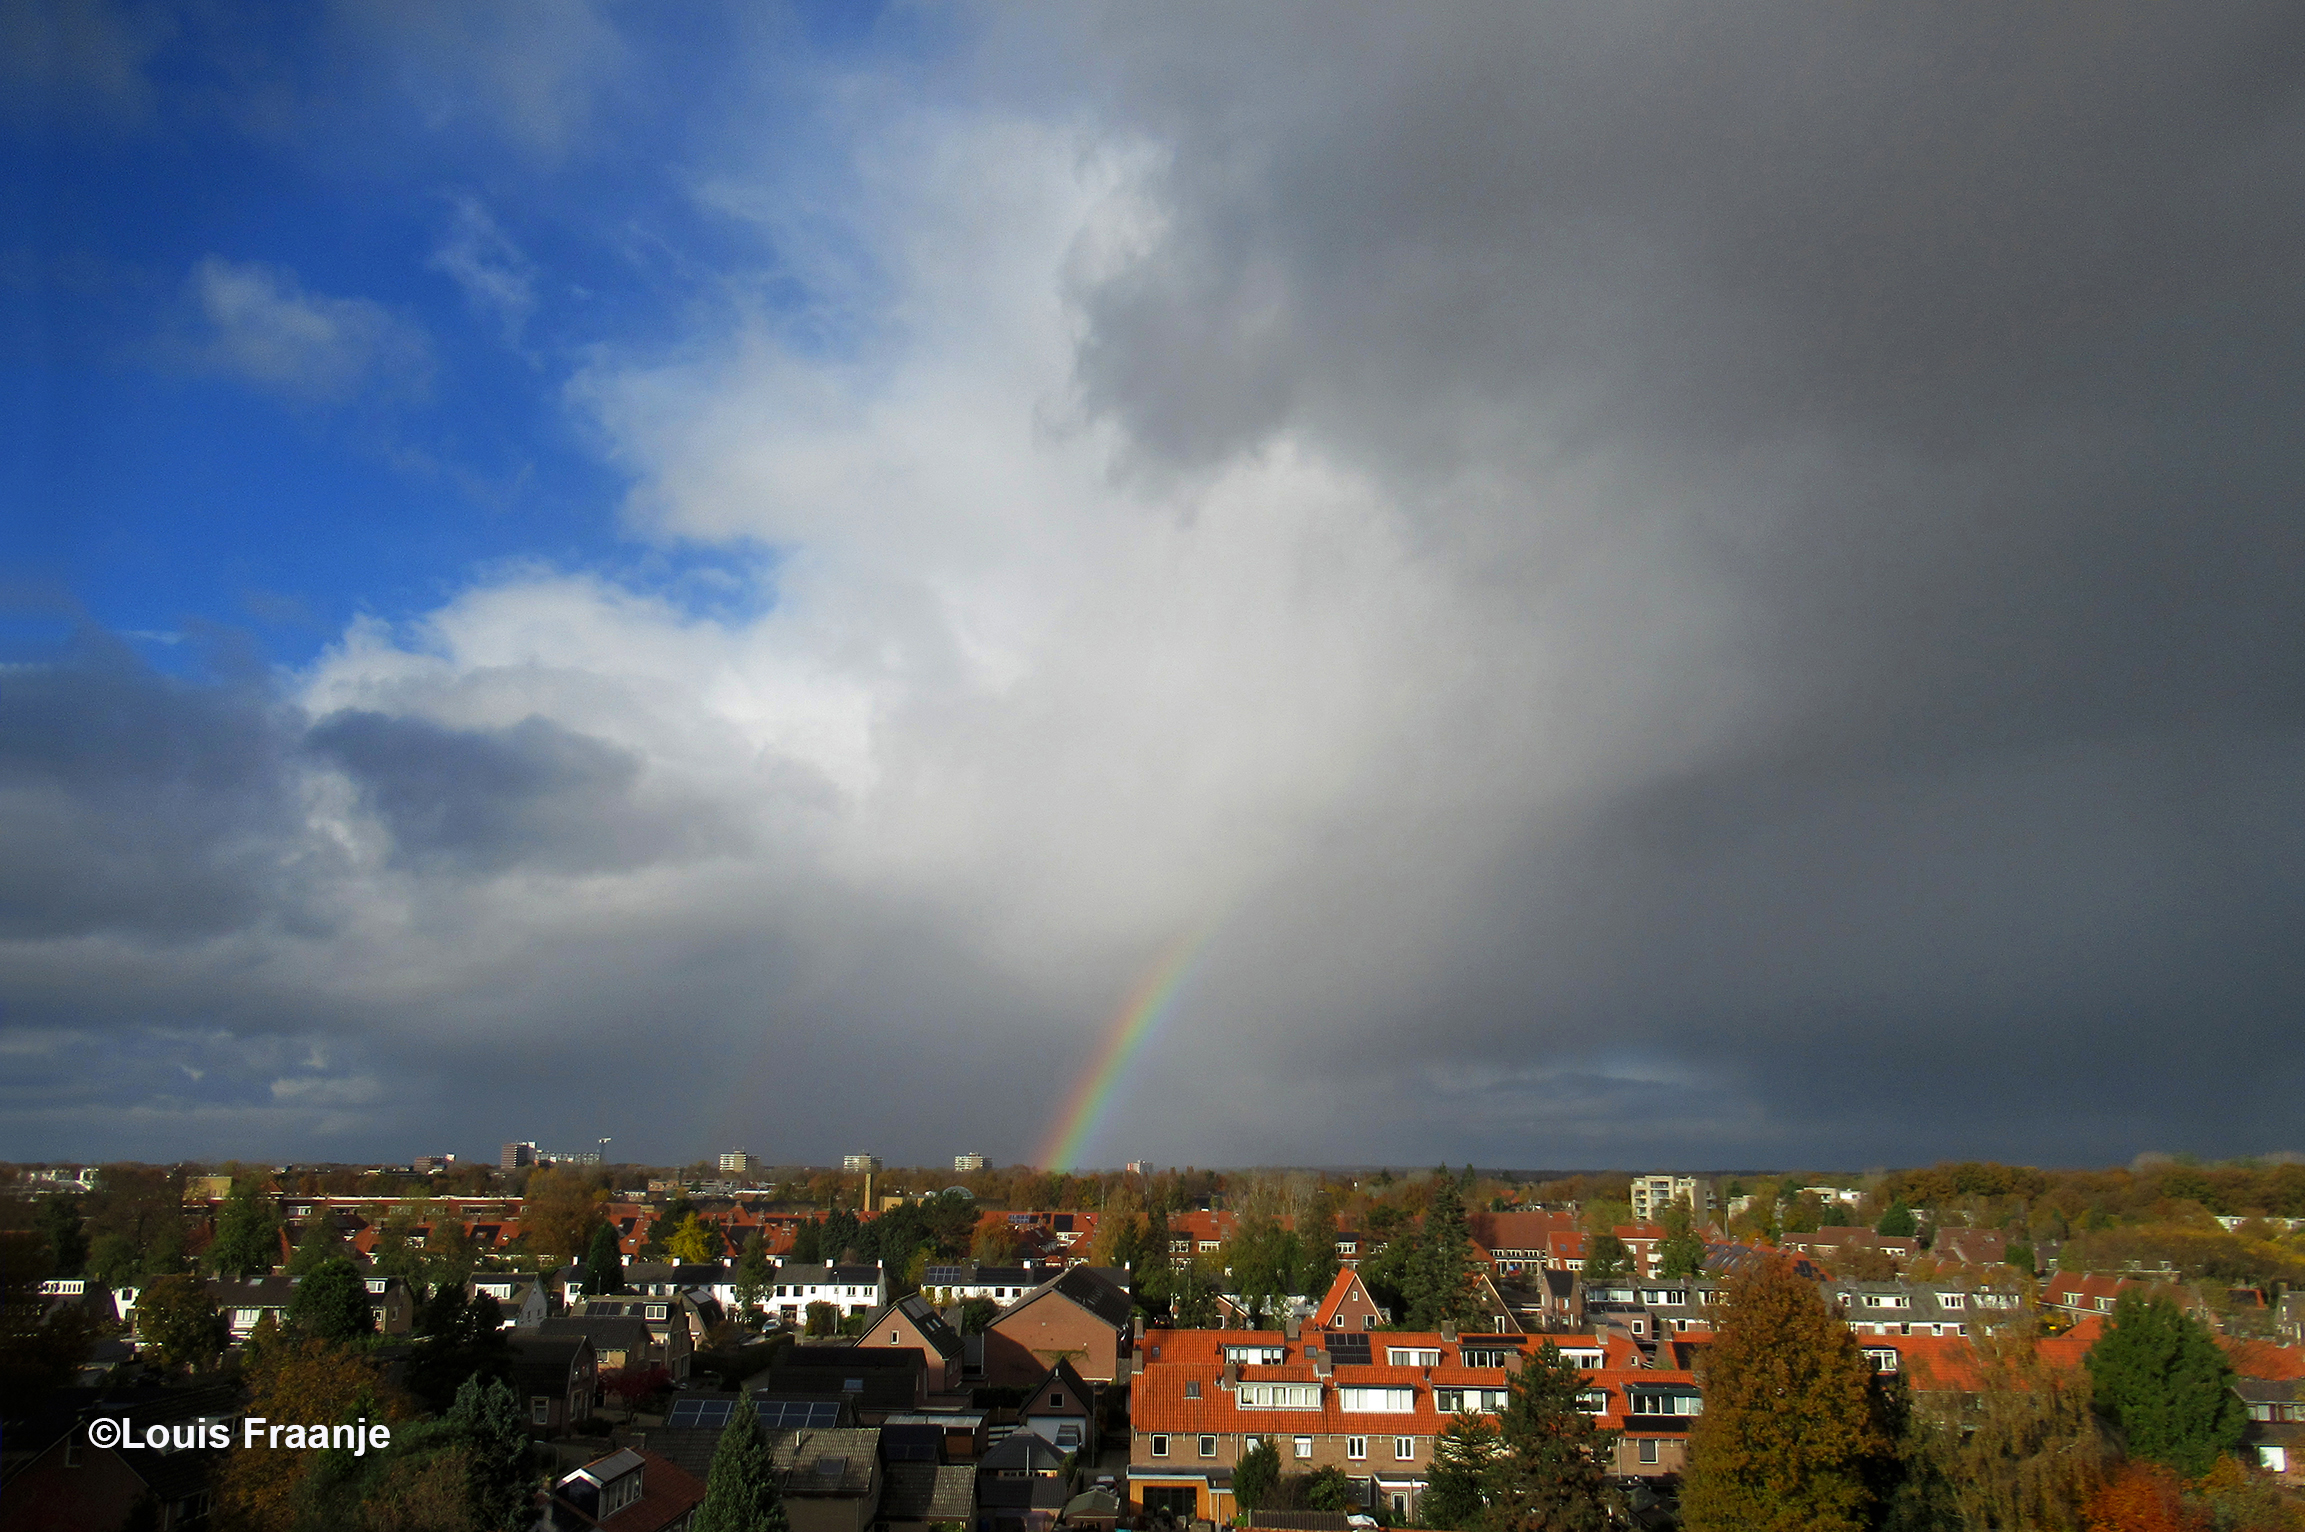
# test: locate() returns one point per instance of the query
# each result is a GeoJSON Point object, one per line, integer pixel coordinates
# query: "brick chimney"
{"type": "Point", "coordinates": [1323, 1366]}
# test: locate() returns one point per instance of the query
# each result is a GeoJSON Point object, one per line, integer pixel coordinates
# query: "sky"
{"type": "Point", "coordinates": [1620, 586]}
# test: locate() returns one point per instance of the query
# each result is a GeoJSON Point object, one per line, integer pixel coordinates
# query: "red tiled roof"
{"type": "Point", "coordinates": [667, 1493]}
{"type": "Point", "coordinates": [1341, 1288]}
{"type": "Point", "coordinates": [2264, 1360]}
{"type": "Point", "coordinates": [1159, 1403]}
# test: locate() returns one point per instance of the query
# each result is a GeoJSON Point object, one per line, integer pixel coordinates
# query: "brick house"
{"type": "Point", "coordinates": [914, 1322]}
{"type": "Point", "coordinates": [554, 1377]}
{"type": "Point", "coordinates": [1347, 1305]}
{"type": "Point", "coordinates": [1369, 1405]}
{"type": "Point", "coordinates": [1078, 1318]}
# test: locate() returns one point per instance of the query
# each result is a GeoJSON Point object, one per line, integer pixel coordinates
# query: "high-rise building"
{"type": "Point", "coordinates": [516, 1156]}
{"type": "Point", "coordinates": [1653, 1194]}
{"type": "Point", "coordinates": [855, 1163]}
{"type": "Point", "coordinates": [1140, 1167]}
{"type": "Point", "coordinates": [737, 1162]}
{"type": "Point", "coordinates": [970, 1161]}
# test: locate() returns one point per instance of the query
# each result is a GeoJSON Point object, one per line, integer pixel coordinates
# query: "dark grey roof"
{"type": "Point", "coordinates": [676, 1273]}
{"type": "Point", "coordinates": [925, 1318]}
{"type": "Point", "coordinates": [827, 1275]}
{"type": "Point", "coordinates": [253, 1292]}
{"type": "Point", "coordinates": [927, 1492]}
{"type": "Point", "coordinates": [851, 1358]}
{"type": "Point", "coordinates": [604, 1331]}
{"type": "Point", "coordinates": [1024, 1450]}
{"type": "Point", "coordinates": [1092, 1293]}
{"type": "Point", "coordinates": [690, 1448]}
{"type": "Point", "coordinates": [1039, 1494]}
{"type": "Point", "coordinates": [827, 1462]}
{"type": "Point", "coordinates": [973, 1275]}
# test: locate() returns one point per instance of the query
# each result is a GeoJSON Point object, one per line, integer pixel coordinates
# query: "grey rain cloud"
{"type": "Point", "coordinates": [1864, 724]}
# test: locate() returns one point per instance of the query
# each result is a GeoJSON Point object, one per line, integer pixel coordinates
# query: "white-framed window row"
{"type": "Point", "coordinates": [1667, 1404]}
{"type": "Point", "coordinates": [1485, 1401]}
{"type": "Point", "coordinates": [1377, 1401]}
{"type": "Point", "coordinates": [1278, 1396]}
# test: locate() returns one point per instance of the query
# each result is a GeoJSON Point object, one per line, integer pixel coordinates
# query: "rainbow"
{"type": "Point", "coordinates": [1093, 1092]}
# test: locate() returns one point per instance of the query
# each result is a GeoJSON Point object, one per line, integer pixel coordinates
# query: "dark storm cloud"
{"type": "Point", "coordinates": [531, 795]}
{"type": "Point", "coordinates": [1961, 351]}
{"type": "Point", "coordinates": [160, 808]}
{"type": "Point", "coordinates": [137, 803]}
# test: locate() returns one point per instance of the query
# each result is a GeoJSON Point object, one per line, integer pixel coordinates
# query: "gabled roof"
{"type": "Point", "coordinates": [1347, 1281]}
{"type": "Point", "coordinates": [252, 1292]}
{"type": "Point", "coordinates": [1024, 1450]}
{"type": "Point", "coordinates": [604, 1331]}
{"type": "Point", "coordinates": [1069, 1381]}
{"type": "Point", "coordinates": [1091, 1293]}
{"type": "Point", "coordinates": [922, 1315]}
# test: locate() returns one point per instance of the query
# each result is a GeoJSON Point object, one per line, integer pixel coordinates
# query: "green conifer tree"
{"type": "Point", "coordinates": [1256, 1475]}
{"type": "Point", "coordinates": [740, 1491]}
{"type": "Point", "coordinates": [1898, 1222]}
{"type": "Point", "coordinates": [2161, 1378]}
{"type": "Point", "coordinates": [1456, 1489]}
{"type": "Point", "coordinates": [1438, 1281]}
{"type": "Point", "coordinates": [1550, 1472]}
{"type": "Point", "coordinates": [603, 1265]}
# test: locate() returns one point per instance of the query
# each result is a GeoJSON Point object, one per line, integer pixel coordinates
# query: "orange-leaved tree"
{"type": "Point", "coordinates": [2142, 1497]}
{"type": "Point", "coordinates": [1791, 1437]}
{"type": "Point", "coordinates": [311, 1382]}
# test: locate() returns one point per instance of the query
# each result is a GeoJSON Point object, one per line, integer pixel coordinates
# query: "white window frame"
{"type": "Point", "coordinates": [1208, 1444]}
{"type": "Point", "coordinates": [1356, 1448]}
{"type": "Point", "coordinates": [1160, 1444]}
{"type": "Point", "coordinates": [1304, 1447]}
{"type": "Point", "coordinates": [1404, 1449]}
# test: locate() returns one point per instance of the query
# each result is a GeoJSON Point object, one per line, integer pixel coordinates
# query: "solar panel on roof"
{"type": "Point", "coordinates": [799, 1414]}
{"type": "Point", "coordinates": [700, 1412]}
{"type": "Point", "coordinates": [1352, 1349]}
